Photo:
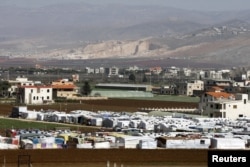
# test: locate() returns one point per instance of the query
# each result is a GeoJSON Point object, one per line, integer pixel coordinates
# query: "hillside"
{"type": "Point", "coordinates": [100, 31]}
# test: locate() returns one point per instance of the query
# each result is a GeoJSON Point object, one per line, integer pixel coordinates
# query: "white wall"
{"type": "Point", "coordinates": [37, 95]}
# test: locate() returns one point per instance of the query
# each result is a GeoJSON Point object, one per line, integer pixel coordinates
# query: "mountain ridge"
{"type": "Point", "coordinates": [76, 31]}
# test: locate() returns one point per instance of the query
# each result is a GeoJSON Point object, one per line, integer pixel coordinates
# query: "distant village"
{"type": "Point", "coordinates": [221, 119]}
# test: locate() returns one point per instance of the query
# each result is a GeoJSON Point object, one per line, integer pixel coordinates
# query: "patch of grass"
{"type": "Point", "coordinates": [7, 123]}
{"type": "Point", "coordinates": [19, 124]}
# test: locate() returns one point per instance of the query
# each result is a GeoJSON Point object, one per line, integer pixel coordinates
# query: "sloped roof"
{"type": "Point", "coordinates": [220, 94]}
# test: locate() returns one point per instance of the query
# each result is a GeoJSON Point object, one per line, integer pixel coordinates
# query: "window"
{"type": "Point", "coordinates": [48, 90]}
{"type": "Point", "coordinates": [245, 101]}
{"type": "Point", "coordinates": [34, 98]}
{"type": "Point", "coordinates": [211, 106]}
{"type": "Point", "coordinates": [234, 106]}
{"type": "Point", "coordinates": [218, 106]}
{"type": "Point", "coordinates": [47, 97]}
{"type": "Point", "coordinates": [241, 115]}
{"type": "Point", "coordinates": [224, 115]}
{"type": "Point", "coordinates": [31, 90]}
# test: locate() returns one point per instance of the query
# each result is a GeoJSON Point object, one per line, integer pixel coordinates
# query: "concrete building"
{"type": "Point", "coordinates": [90, 70]}
{"type": "Point", "coordinates": [155, 70]}
{"type": "Point", "coordinates": [34, 94]}
{"type": "Point", "coordinates": [214, 74]}
{"type": "Point", "coordinates": [113, 71]}
{"type": "Point", "coordinates": [225, 105]}
{"type": "Point", "coordinates": [64, 88]}
{"type": "Point", "coordinates": [208, 83]}
{"type": "Point", "coordinates": [167, 89]}
{"type": "Point", "coordinates": [20, 81]}
{"type": "Point", "coordinates": [187, 88]}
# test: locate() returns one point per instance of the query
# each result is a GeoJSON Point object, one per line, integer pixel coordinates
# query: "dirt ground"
{"type": "Point", "coordinates": [119, 105]}
{"type": "Point", "coordinates": [103, 157]}
{"type": "Point", "coordinates": [105, 165]}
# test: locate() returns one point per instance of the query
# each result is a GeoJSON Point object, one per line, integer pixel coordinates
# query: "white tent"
{"type": "Point", "coordinates": [227, 143]}
{"type": "Point", "coordinates": [96, 121]}
{"type": "Point", "coordinates": [133, 141]}
{"type": "Point", "coordinates": [147, 143]}
{"type": "Point", "coordinates": [188, 143]}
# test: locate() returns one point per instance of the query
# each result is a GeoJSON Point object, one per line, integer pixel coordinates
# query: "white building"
{"type": "Point", "coordinates": [35, 94]}
{"type": "Point", "coordinates": [214, 74]}
{"type": "Point", "coordinates": [90, 70]}
{"type": "Point", "coordinates": [226, 106]}
{"type": "Point", "coordinates": [187, 71]}
{"type": "Point", "coordinates": [113, 71]}
{"type": "Point", "coordinates": [248, 74]}
{"type": "Point", "coordinates": [227, 143]}
{"type": "Point", "coordinates": [20, 81]}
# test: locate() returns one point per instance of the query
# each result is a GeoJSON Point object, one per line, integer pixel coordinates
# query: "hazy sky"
{"type": "Point", "coordinates": [211, 5]}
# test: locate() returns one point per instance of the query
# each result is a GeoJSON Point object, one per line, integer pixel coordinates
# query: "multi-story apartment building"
{"type": "Point", "coordinates": [113, 71]}
{"type": "Point", "coordinates": [34, 94]}
{"type": "Point", "coordinates": [188, 88]}
{"type": "Point", "coordinates": [20, 81]}
{"type": "Point", "coordinates": [225, 105]}
{"type": "Point", "coordinates": [209, 83]}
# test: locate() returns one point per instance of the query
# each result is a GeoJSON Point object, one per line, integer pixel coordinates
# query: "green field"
{"type": "Point", "coordinates": [9, 123]}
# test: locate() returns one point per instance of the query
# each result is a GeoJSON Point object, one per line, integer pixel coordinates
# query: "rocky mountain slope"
{"type": "Point", "coordinates": [88, 31]}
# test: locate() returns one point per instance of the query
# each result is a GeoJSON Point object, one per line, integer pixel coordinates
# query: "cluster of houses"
{"type": "Point", "coordinates": [35, 92]}
{"type": "Point", "coordinates": [130, 130]}
{"type": "Point", "coordinates": [218, 98]}
{"type": "Point", "coordinates": [224, 103]}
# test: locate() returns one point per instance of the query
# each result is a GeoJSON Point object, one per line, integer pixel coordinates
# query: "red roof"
{"type": "Point", "coordinates": [220, 94]}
